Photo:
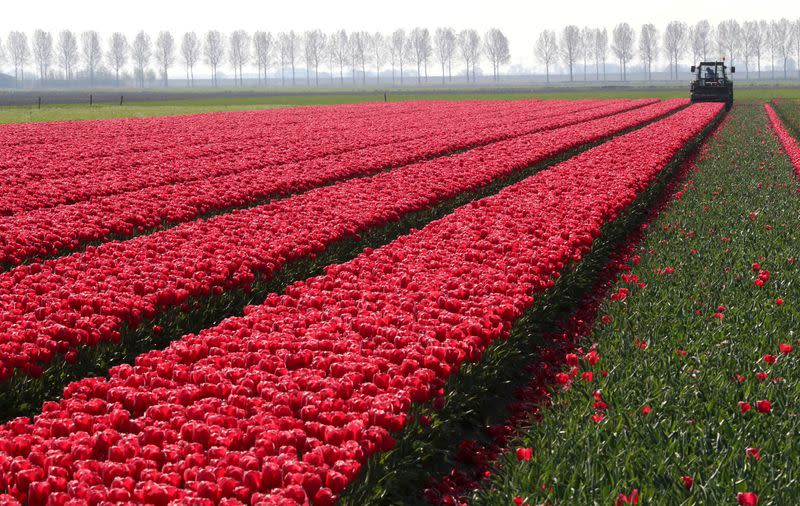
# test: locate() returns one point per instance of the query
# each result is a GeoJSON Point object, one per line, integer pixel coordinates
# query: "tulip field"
{"type": "Point", "coordinates": [442, 303]}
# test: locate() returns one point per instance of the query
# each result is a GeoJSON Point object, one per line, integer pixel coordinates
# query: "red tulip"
{"type": "Point", "coordinates": [785, 348]}
{"type": "Point", "coordinates": [763, 406]}
{"type": "Point", "coordinates": [524, 454]}
{"type": "Point", "coordinates": [753, 452]}
{"type": "Point", "coordinates": [633, 498]}
{"type": "Point", "coordinates": [747, 499]}
{"type": "Point", "coordinates": [688, 482]}
{"type": "Point", "coordinates": [744, 406]}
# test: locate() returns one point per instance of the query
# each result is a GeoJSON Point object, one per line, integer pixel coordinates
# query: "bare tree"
{"type": "Point", "coordinates": [214, 51]}
{"type": "Point", "coordinates": [20, 53]}
{"type": "Point", "coordinates": [771, 42]}
{"type": "Point", "coordinates": [397, 55]}
{"type": "Point", "coordinates": [360, 54]}
{"type": "Point", "coordinates": [67, 52]}
{"type": "Point", "coordinates": [43, 52]}
{"type": "Point", "coordinates": [761, 42]}
{"type": "Point", "coordinates": [570, 47]}
{"type": "Point", "coordinates": [92, 53]}
{"type": "Point", "coordinates": [497, 50]}
{"type": "Point", "coordinates": [287, 45]}
{"type": "Point", "coordinates": [600, 51]}
{"type": "Point", "coordinates": [469, 42]}
{"type": "Point", "coordinates": [377, 46]}
{"type": "Point", "coordinates": [547, 50]}
{"type": "Point", "coordinates": [648, 48]}
{"type": "Point", "coordinates": [675, 40]}
{"type": "Point", "coordinates": [624, 39]}
{"type": "Point", "coordinates": [117, 54]}
{"type": "Point", "coordinates": [750, 41]}
{"type": "Point", "coordinates": [238, 53]}
{"type": "Point", "coordinates": [165, 54]}
{"type": "Point", "coordinates": [701, 41]}
{"type": "Point", "coordinates": [783, 42]}
{"type": "Point", "coordinates": [339, 47]}
{"type": "Point", "coordinates": [797, 45]}
{"type": "Point", "coordinates": [314, 46]}
{"type": "Point", "coordinates": [331, 55]}
{"type": "Point", "coordinates": [141, 50]}
{"type": "Point", "coordinates": [262, 43]}
{"type": "Point", "coordinates": [190, 51]}
{"type": "Point", "coordinates": [421, 45]}
{"type": "Point", "coordinates": [729, 35]}
{"type": "Point", "coordinates": [587, 48]}
{"type": "Point", "coordinates": [445, 42]}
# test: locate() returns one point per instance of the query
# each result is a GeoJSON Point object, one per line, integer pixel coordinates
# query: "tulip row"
{"type": "Point", "coordinates": [33, 152]}
{"type": "Point", "coordinates": [553, 351]}
{"type": "Point", "coordinates": [789, 112]}
{"type": "Point", "coordinates": [284, 404]}
{"type": "Point", "coordinates": [789, 142]}
{"type": "Point", "coordinates": [288, 151]}
{"type": "Point", "coordinates": [53, 307]}
{"type": "Point", "coordinates": [701, 393]}
{"type": "Point", "coordinates": [45, 232]}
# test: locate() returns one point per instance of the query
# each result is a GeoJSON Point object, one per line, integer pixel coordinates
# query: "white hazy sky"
{"type": "Point", "coordinates": [520, 20]}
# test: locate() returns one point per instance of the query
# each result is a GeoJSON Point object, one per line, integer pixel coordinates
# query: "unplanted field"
{"type": "Point", "coordinates": [234, 100]}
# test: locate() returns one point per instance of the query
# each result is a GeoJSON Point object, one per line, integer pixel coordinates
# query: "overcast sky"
{"type": "Point", "coordinates": [521, 20]}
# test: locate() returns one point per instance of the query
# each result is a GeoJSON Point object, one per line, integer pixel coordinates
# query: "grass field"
{"type": "Point", "coordinates": [21, 114]}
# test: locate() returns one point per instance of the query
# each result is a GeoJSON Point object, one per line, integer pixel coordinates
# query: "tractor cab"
{"type": "Point", "coordinates": [711, 83]}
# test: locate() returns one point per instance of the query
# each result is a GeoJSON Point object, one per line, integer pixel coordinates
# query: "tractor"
{"type": "Point", "coordinates": [711, 83]}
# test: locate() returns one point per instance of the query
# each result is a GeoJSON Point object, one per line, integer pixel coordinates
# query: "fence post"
{"type": "Point", "coordinates": [384, 97]}
{"type": "Point", "coordinates": [90, 100]}
{"type": "Point", "coordinates": [40, 102]}
{"type": "Point", "coordinates": [120, 99]}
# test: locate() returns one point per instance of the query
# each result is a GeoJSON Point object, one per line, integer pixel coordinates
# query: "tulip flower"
{"type": "Point", "coordinates": [764, 406]}
{"type": "Point", "coordinates": [747, 499]}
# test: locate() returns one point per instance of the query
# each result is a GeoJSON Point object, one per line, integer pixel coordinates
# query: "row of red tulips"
{"type": "Point", "coordinates": [285, 404]}
{"type": "Point", "coordinates": [53, 307]}
{"type": "Point", "coordinates": [284, 151]}
{"type": "Point", "coordinates": [53, 230]}
{"type": "Point", "coordinates": [787, 140]}
{"type": "Point", "coordinates": [30, 152]}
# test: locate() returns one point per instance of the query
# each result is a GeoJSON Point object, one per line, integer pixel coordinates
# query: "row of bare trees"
{"type": "Point", "coordinates": [750, 43]}
{"type": "Point", "coordinates": [285, 51]}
